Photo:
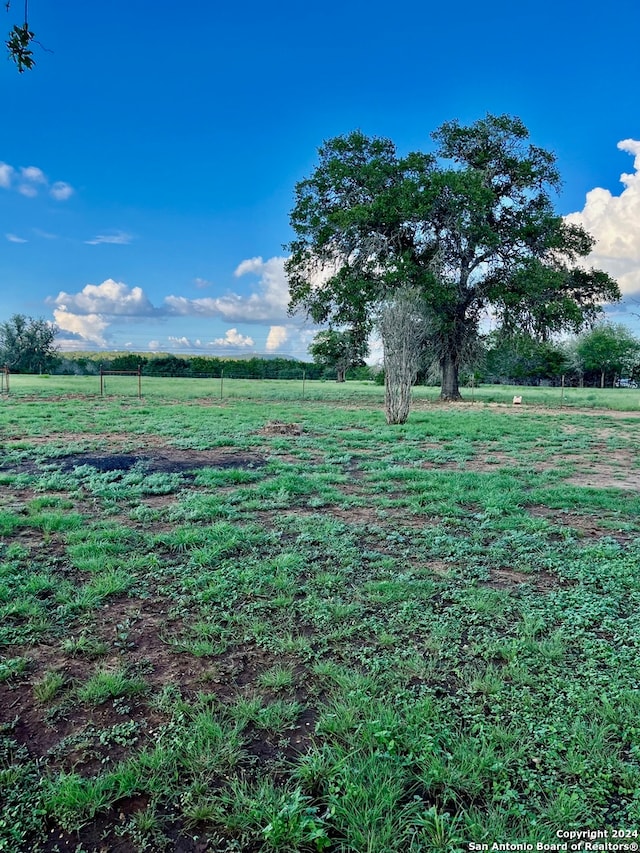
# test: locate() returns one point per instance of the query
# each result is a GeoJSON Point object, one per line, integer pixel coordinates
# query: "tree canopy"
{"type": "Point", "coordinates": [608, 349]}
{"type": "Point", "coordinates": [338, 350]}
{"type": "Point", "coordinates": [27, 345]}
{"type": "Point", "coordinates": [470, 226]}
{"type": "Point", "coordinates": [522, 359]}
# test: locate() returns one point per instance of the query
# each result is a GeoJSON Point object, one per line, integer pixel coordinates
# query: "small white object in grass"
{"type": "Point", "coordinates": [517, 401]}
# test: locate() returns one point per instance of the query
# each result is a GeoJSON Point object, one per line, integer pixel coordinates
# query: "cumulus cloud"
{"type": "Point", "coordinates": [33, 174]}
{"type": "Point", "coordinates": [29, 180]}
{"type": "Point", "coordinates": [6, 175]}
{"type": "Point", "coordinates": [233, 338]}
{"type": "Point", "coordinates": [28, 190]}
{"type": "Point", "coordinates": [89, 327]}
{"type": "Point", "coordinates": [111, 297]}
{"type": "Point", "coordinates": [278, 335]}
{"type": "Point", "coordinates": [267, 304]}
{"type": "Point", "coordinates": [13, 238]}
{"type": "Point", "coordinates": [201, 283]}
{"type": "Point", "coordinates": [90, 312]}
{"type": "Point", "coordinates": [61, 191]}
{"type": "Point", "coordinates": [119, 238]}
{"type": "Point", "coordinates": [180, 343]}
{"type": "Point", "coordinates": [614, 221]}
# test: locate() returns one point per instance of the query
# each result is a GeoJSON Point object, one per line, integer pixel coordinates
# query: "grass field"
{"type": "Point", "coordinates": [265, 622]}
{"type": "Point", "coordinates": [361, 393]}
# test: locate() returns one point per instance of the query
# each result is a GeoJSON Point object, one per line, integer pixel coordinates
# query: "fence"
{"type": "Point", "coordinates": [218, 378]}
{"type": "Point", "coordinates": [104, 373]}
{"type": "Point", "coordinates": [223, 389]}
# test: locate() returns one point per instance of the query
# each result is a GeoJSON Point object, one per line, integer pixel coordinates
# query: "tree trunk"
{"type": "Point", "coordinates": [450, 368]}
{"type": "Point", "coordinates": [340, 374]}
{"type": "Point", "coordinates": [602, 379]}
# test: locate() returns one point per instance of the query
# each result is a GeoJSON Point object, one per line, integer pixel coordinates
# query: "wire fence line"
{"type": "Point", "coordinates": [220, 389]}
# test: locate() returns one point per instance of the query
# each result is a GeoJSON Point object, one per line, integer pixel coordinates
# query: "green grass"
{"type": "Point", "coordinates": [122, 393]}
{"type": "Point", "coordinates": [358, 638]}
{"type": "Point", "coordinates": [104, 685]}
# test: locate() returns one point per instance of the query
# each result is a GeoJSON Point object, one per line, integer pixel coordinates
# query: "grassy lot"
{"type": "Point", "coordinates": [269, 623]}
{"type": "Point", "coordinates": [361, 393]}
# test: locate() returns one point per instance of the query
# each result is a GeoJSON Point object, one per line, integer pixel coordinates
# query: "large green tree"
{"type": "Point", "coordinates": [470, 226]}
{"type": "Point", "coordinates": [338, 350]}
{"type": "Point", "coordinates": [27, 345]}
{"type": "Point", "coordinates": [610, 350]}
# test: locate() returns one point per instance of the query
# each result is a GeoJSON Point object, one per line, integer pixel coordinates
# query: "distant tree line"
{"type": "Point", "coordinates": [202, 366]}
{"type": "Point", "coordinates": [191, 366]}
{"type": "Point", "coordinates": [600, 357]}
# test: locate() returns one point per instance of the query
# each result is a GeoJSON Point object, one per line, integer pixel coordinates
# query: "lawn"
{"type": "Point", "coordinates": [264, 621]}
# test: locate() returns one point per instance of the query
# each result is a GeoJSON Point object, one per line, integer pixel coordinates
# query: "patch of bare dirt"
{"type": "Point", "coordinates": [308, 459]}
{"type": "Point", "coordinates": [587, 526]}
{"type": "Point", "coordinates": [280, 428]}
{"type": "Point", "coordinates": [113, 440]}
{"type": "Point", "coordinates": [356, 514]}
{"type": "Point", "coordinates": [391, 518]}
{"type": "Point", "coordinates": [142, 628]}
{"type": "Point", "coordinates": [601, 433]}
{"type": "Point", "coordinates": [509, 578]}
{"type": "Point", "coordinates": [157, 501]}
{"type": "Point", "coordinates": [607, 475]}
{"type": "Point", "coordinates": [440, 568]}
{"type": "Point", "coordinates": [494, 460]}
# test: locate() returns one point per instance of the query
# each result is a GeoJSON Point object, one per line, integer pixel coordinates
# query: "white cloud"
{"type": "Point", "coordinates": [201, 283]}
{"type": "Point", "coordinates": [614, 221]}
{"type": "Point", "coordinates": [31, 180]}
{"type": "Point", "coordinates": [61, 191]}
{"type": "Point", "coordinates": [89, 327]}
{"type": "Point", "coordinates": [267, 305]}
{"type": "Point", "coordinates": [154, 346]}
{"type": "Point", "coordinates": [111, 298]}
{"type": "Point", "coordinates": [13, 238]}
{"type": "Point", "coordinates": [233, 338]}
{"type": "Point", "coordinates": [6, 174]}
{"type": "Point", "coordinates": [90, 312]}
{"type": "Point", "coordinates": [33, 174]}
{"type": "Point", "coordinates": [28, 190]}
{"type": "Point", "coordinates": [278, 335]}
{"type": "Point", "coordinates": [118, 238]}
{"type": "Point", "coordinates": [180, 343]}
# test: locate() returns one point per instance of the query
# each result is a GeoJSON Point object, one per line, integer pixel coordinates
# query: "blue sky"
{"type": "Point", "coordinates": [147, 163]}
